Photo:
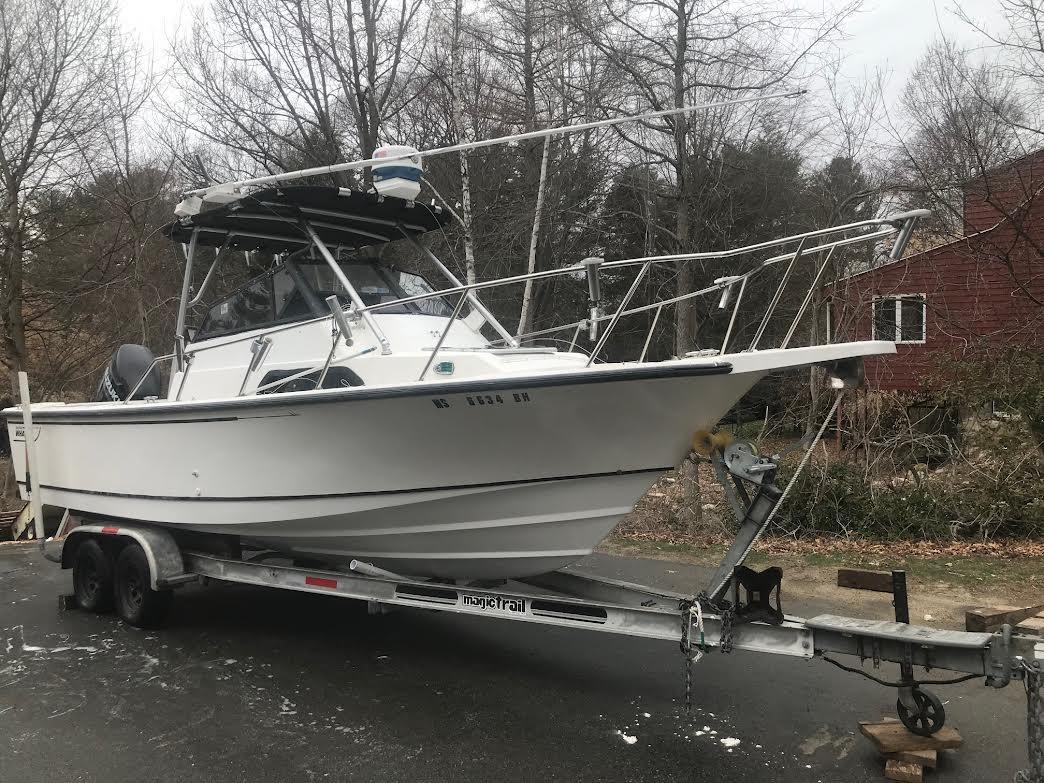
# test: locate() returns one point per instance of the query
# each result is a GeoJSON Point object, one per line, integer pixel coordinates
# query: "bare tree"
{"type": "Point", "coordinates": [1018, 49]}
{"type": "Point", "coordinates": [959, 121]}
{"type": "Point", "coordinates": [57, 62]}
{"type": "Point", "coordinates": [300, 83]}
{"type": "Point", "coordinates": [671, 53]}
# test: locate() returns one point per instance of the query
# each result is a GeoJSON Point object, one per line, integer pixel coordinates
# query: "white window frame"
{"type": "Point", "coordinates": [898, 298]}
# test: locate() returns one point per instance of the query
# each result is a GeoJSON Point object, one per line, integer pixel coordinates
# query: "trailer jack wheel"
{"type": "Point", "coordinates": [921, 712]}
{"type": "Point", "coordinates": [136, 602]}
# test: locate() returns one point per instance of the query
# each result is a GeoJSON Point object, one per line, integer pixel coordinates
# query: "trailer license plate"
{"type": "Point", "coordinates": [493, 604]}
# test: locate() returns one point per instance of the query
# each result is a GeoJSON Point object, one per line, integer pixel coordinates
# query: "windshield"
{"type": "Point", "coordinates": [375, 285]}
{"type": "Point", "coordinates": [297, 291]}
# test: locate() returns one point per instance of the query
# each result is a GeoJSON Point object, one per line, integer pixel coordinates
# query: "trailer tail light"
{"type": "Point", "coordinates": [318, 581]}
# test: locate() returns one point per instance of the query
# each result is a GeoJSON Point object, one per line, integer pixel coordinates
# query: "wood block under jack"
{"type": "Point", "coordinates": [893, 737]}
{"type": "Point", "coordinates": [1031, 626]}
{"type": "Point", "coordinates": [904, 771]}
{"type": "Point", "coordinates": [926, 758]}
{"type": "Point", "coordinates": [993, 617]}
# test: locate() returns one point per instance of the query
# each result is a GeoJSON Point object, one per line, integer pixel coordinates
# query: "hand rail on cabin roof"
{"type": "Point", "coordinates": [512, 139]}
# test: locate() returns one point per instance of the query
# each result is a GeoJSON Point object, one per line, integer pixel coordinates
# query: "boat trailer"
{"type": "Point", "coordinates": [568, 599]}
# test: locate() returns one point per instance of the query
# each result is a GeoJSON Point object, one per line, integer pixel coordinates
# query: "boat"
{"type": "Point", "coordinates": [339, 407]}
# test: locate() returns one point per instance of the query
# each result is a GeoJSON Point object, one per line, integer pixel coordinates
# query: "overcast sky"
{"type": "Point", "coordinates": [888, 36]}
{"type": "Point", "coordinates": [891, 35]}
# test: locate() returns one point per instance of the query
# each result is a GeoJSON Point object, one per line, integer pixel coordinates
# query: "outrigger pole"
{"type": "Point", "coordinates": [472, 145]}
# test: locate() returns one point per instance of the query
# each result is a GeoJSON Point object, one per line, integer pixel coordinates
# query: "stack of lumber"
{"type": "Point", "coordinates": [907, 755]}
{"type": "Point", "coordinates": [1026, 619]}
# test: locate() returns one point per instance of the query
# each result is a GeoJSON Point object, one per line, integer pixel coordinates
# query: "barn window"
{"type": "Point", "coordinates": [900, 318]}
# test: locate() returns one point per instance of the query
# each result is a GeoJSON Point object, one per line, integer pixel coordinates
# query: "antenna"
{"type": "Point", "coordinates": [561, 130]}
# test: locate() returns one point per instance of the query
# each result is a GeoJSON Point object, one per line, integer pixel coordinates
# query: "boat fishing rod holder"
{"type": "Point", "coordinates": [592, 265]}
{"type": "Point", "coordinates": [340, 320]}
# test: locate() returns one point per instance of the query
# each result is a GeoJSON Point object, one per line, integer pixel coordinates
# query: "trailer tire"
{"type": "Point", "coordinates": [136, 602]}
{"type": "Point", "coordinates": [92, 577]}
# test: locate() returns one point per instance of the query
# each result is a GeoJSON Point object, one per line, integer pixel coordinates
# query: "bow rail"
{"type": "Point", "coordinates": [827, 242]}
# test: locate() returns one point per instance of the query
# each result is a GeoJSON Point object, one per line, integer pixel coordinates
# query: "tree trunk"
{"type": "Point", "coordinates": [534, 240]}
{"type": "Point", "coordinates": [529, 96]}
{"type": "Point", "coordinates": [528, 68]}
{"type": "Point", "coordinates": [13, 320]}
{"type": "Point", "coordinates": [688, 473]}
{"type": "Point", "coordinates": [683, 340]}
{"type": "Point", "coordinates": [466, 219]}
{"type": "Point", "coordinates": [814, 373]}
{"type": "Point", "coordinates": [456, 90]}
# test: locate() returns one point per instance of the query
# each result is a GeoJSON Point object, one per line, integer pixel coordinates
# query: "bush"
{"type": "Point", "coordinates": [988, 490]}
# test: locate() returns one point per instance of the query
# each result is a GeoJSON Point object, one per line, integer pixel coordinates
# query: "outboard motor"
{"type": "Point", "coordinates": [128, 365]}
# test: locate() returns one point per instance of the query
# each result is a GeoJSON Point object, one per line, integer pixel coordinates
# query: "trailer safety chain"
{"type": "Point", "coordinates": [691, 610]}
{"type": "Point", "coordinates": [1033, 680]}
{"type": "Point", "coordinates": [727, 613]}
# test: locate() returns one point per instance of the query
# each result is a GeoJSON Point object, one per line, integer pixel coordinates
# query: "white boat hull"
{"type": "Point", "coordinates": [463, 479]}
{"type": "Point", "coordinates": [488, 532]}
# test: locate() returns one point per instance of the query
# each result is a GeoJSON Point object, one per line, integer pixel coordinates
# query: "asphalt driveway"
{"type": "Point", "coordinates": [252, 684]}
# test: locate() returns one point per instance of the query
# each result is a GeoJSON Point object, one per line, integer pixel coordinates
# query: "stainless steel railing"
{"type": "Point", "coordinates": [829, 241]}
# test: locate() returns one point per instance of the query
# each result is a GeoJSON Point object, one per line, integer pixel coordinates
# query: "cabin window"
{"type": "Point", "coordinates": [250, 307]}
{"type": "Point", "coordinates": [297, 291]}
{"type": "Point", "coordinates": [901, 319]}
{"type": "Point", "coordinates": [375, 284]}
{"type": "Point", "coordinates": [415, 285]}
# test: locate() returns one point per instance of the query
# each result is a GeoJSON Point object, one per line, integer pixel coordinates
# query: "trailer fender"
{"type": "Point", "coordinates": [166, 568]}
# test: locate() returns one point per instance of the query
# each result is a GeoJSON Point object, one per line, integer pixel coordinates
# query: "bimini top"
{"type": "Point", "coordinates": [271, 219]}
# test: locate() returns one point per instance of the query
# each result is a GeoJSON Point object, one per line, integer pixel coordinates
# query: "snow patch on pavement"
{"type": "Point", "coordinates": [630, 739]}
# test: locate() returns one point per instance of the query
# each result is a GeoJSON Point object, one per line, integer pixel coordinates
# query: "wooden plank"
{"type": "Point", "coordinates": [992, 618]}
{"type": "Point", "coordinates": [903, 771]}
{"type": "Point", "coordinates": [1033, 626]}
{"type": "Point", "coordinates": [926, 758]}
{"type": "Point", "coordinates": [892, 737]}
{"type": "Point", "coordinates": [23, 524]}
{"type": "Point", "coordinates": [860, 579]}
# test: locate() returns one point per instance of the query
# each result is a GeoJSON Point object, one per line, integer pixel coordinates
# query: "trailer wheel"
{"type": "Point", "coordinates": [136, 602]}
{"type": "Point", "coordinates": [928, 716]}
{"type": "Point", "coordinates": [92, 577]}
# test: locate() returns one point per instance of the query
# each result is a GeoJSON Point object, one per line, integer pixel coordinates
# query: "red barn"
{"type": "Point", "coordinates": [956, 300]}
